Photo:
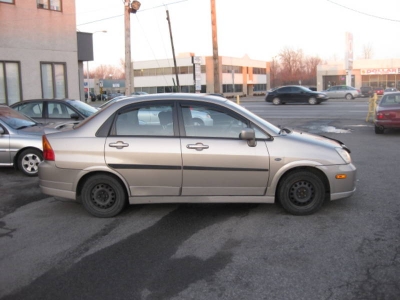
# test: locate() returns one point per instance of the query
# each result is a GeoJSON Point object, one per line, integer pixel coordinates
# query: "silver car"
{"type": "Point", "coordinates": [20, 141]}
{"type": "Point", "coordinates": [342, 91]}
{"type": "Point", "coordinates": [113, 158]}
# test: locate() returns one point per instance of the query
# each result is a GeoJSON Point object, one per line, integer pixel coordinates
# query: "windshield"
{"type": "Point", "coordinates": [15, 119]}
{"type": "Point", "coordinates": [83, 108]}
{"type": "Point", "coordinates": [270, 126]}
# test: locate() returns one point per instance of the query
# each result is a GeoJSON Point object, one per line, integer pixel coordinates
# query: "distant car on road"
{"type": "Point", "coordinates": [149, 149]}
{"type": "Point", "coordinates": [342, 91]}
{"type": "Point", "coordinates": [387, 113]}
{"type": "Point", "coordinates": [366, 91]}
{"type": "Point", "coordinates": [50, 111]}
{"type": "Point", "coordinates": [294, 94]}
{"type": "Point", "coordinates": [20, 141]}
{"type": "Point", "coordinates": [379, 90]}
{"type": "Point", "coordinates": [390, 90]}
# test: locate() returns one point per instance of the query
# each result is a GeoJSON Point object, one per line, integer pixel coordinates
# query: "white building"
{"type": "Point", "coordinates": [38, 50]}
{"type": "Point", "coordinates": [239, 76]}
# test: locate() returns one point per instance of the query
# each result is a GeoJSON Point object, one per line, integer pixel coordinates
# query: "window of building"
{"type": "Point", "coordinates": [54, 83]}
{"type": "Point", "coordinates": [10, 82]}
{"type": "Point", "coordinates": [8, 1]}
{"type": "Point", "coordinates": [232, 69]}
{"type": "Point", "coordinates": [259, 87]}
{"type": "Point", "coordinates": [259, 71]}
{"type": "Point", "coordinates": [49, 4]}
{"type": "Point", "coordinates": [232, 88]}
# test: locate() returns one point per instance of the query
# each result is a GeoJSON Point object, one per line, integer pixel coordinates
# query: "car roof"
{"type": "Point", "coordinates": [175, 96]}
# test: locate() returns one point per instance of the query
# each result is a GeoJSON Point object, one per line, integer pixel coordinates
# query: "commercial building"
{"type": "Point", "coordinates": [366, 72]}
{"type": "Point", "coordinates": [238, 76]}
{"type": "Point", "coordinates": [39, 51]}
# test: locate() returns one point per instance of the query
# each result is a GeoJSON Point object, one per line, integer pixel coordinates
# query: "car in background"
{"type": "Point", "coordinates": [102, 97]}
{"type": "Point", "coordinates": [139, 93]}
{"type": "Point", "coordinates": [379, 91]}
{"type": "Point", "coordinates": [112, 159]}
{"type": "Point", "coordinates": [113, 95]}
{"type": "Point", "coordinates": [52, 111]}
{"type": "Point", "coordinates": [342, 91]}
{"type": "Point", "coordinates": [390, 90]}
{"type": "Point", "coordinates": [366, 91]}
{"type": "Point", "coordinates": [91, 97]}
{"type": "Point", "coordinates": [20, 141]}
{"type": "Point", "coordinates": [387, 113]}
{"type": "Point", "coordinates": [294, 94]}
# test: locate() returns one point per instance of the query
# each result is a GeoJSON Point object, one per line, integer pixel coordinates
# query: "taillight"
{"type": "Point", "coordinates": [48, 153]}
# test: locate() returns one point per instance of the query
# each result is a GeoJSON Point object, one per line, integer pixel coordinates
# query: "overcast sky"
{"type": "Point", "coordinates": [258, 28]}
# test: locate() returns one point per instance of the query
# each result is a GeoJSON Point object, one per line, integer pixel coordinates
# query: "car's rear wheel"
{"type": "Point", "coordinates": [349, 96]}
{"type": "Point", "coordinates": [379, 130]}
{"type": "Point", "coordinates": [103, 196]}
{"type": "Point", "coordinates": [312, 101]}
{"type": "Point", "coordinates": [29, 160]}
{"type": "Point", "coordinates": [276, 101]}
{"type": "Point", "coordinates": [301, 193]}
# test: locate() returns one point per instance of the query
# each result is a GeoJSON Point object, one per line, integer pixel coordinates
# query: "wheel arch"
{"type": "Point", "coordinates": [16, 156]}
{"type": "Point", "coordinates": [311, 169]}
{"type": "Point", "coordinates": [88, 175]}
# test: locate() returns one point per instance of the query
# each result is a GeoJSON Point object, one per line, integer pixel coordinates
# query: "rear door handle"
{"type": "Point", "coordinates": [197, 146]}
{"type": "Point", "coordinates": [118, 145]}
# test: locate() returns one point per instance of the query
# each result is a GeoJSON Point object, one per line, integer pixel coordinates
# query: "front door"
{"type": "Point", "coordinates": [215, 160]}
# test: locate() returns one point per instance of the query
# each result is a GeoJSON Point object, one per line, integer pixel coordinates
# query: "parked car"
{"type": "Point", "coordinates": [342, 91]}
{"type": "Point", "coordinates": [115, 158]}
{"type": "Point", "coordinates": [387, 113]}
{"type": "Point", "coordinates": [113, 95]}
{"type": "Point", "coordinates": [51, 111]}
{"type": "Point", "coordinates": [91, 97]}
{"type": "Point", "coordinates": [379, 90]}
{"type": "Point", "coordinates": [366, 91]}
{"type": "Point", "coordinates": [102, 97]}
{"type": "Point", "coordinates": [294, 94]}
{"type": "Point", "coordinates": [390, 90]}
{"type": "Point", "coordinates": [20, 141]}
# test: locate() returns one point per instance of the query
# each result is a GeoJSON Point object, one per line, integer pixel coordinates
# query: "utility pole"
{"type": "Point", "coordinates": [129, 8]}
{"type": "Point", "coordinates": [217, 85]}
{"type": "Point", "coordinates": [173, 53]}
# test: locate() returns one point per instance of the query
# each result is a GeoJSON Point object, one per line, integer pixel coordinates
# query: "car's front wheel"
{"type": "Point", "coordinates": [312, 101]}
{"type": "Point", "coordinates": [349, 96]}
{"type": "Point", "coordinates": [276, 101]}
{"type": "Point", "coordinates": [301, 193]}
{"type": "Point", "coordinates": [29, 160]}
{"type": "Point", "coordinates": [103, 196]}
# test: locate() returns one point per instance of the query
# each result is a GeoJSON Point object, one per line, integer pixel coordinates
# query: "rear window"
{"type": "Point", "coordinates": [390, 100]}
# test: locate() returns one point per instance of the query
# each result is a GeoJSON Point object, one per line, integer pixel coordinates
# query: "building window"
{"type": "Point", "coordinates": [8, 1]}
{"type": "Point", "coordinates": [232, 69]}
{"type": "Point", "coordinates": [232, 88]}
{"type": "Point", "coordinates": [259, 71]}
{"type": "Point", "coordinates": [49, 4]}
{"type": "Point", "coordinates": [54, 83]}
{"type": "Point", "coordinates": [10, 82]}
{"type": "Point", "coordinates": [259, 87]}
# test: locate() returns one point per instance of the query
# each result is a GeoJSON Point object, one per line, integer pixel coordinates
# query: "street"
{"type": "Point", "coordinates": [52, 249]}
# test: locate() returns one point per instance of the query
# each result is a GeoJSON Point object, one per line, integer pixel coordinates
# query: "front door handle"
{"type": "Point", "coordinates": [197, 146]}
{"type": "Point", "coordinates": [119, 145]}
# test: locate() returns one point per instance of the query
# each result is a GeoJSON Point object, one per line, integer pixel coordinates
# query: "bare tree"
{"type": "Point", "coordinates": [367, 51]}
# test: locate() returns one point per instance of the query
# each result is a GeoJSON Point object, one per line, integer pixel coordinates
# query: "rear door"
{"type": "Point", "coordinates": [145, 151]}
{"type": "Point", "coordinates": [5, 156]}
{"type": "Point", "coordinates": [215, 160]}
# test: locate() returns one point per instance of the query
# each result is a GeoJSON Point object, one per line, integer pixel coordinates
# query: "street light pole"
{"type": "Point", "coordinates": [129, 8]}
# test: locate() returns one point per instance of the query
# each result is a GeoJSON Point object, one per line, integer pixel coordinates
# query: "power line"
{"type": "Point", "coordinates": [363, 13]}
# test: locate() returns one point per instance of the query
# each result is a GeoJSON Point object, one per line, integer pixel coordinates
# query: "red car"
{"type": "Point", "coordinates": [379, 90]}
{"type": "Point", "coordinates": [387, 113]}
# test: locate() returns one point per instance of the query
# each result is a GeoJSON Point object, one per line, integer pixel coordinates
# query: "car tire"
{"type": "Point", "coordinates": [379, 130]}
{"type": "Point", "coordinates": [276, 101]}
{"type": "Point", "coordinates": [349, 97]}
{"type": "Point", "coordinates": [301, 193]}
{"type": "Point", "coordinates": [312, 101]}
{"type": "Point", "coordinates": [29, 160]}
{"type": "Point", "coordinates": [198, 122]}
{"type": "Point", "coordinates": [103, 196]}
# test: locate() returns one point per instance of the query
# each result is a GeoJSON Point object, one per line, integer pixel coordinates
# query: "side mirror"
{"type": "Point", "coordinates": [250, 135]}
{"type": "Point", "coordinates": [74, 116]}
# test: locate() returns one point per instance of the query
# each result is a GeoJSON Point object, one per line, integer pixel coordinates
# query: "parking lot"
{"type": "Point", "coordinates": [52, 249]}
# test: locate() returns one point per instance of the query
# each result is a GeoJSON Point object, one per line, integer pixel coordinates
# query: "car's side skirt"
{"type": "Point", "coordinates": [202, 199]}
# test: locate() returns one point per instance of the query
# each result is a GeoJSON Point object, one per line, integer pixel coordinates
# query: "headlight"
{"type": "Point", "coordinates": [344, 155]}
{"type": "Point", "coordinates": [321, 96]}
